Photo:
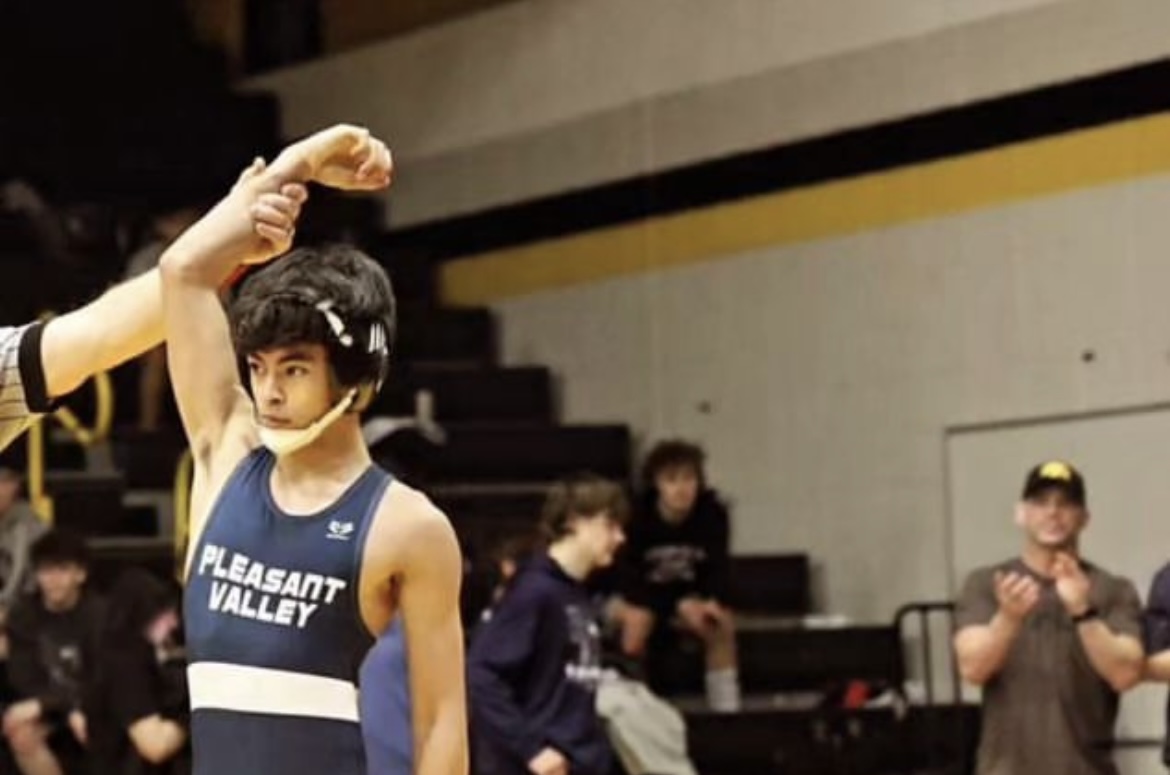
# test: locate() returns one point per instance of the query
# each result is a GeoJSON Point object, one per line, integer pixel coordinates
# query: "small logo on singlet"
{"type": "Point", "coordinates": [340, 531]}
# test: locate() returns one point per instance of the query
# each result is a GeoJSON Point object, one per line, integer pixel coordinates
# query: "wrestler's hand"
{"type": "Point", "coordinates": [252, 223]}
{"type": "Point", "coordinates": [274, 216]}
{"type": "Point", "coordinates": [343, 156]}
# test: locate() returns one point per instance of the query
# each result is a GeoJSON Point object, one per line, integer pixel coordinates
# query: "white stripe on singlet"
{"type": "Point", "coordinates": [246, 689]}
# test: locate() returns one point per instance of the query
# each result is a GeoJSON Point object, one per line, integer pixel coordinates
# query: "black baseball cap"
{"type": "Point", "coordinates": [1056, 475]}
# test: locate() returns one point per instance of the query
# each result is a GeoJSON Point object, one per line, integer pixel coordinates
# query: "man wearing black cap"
{"type": "Point", "coordinates": [1052, 640]}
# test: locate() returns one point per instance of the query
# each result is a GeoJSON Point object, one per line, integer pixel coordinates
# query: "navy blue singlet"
{"type": "Point", "coordinates": [274, 632]}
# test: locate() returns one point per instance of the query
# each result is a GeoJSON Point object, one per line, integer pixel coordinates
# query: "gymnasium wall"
{"type": "Point", "coordinates": [541, 95]}
{"type": "Point", "coordinates": [814, 258]}
{"type": "Point", "coordinates": [821, 376]}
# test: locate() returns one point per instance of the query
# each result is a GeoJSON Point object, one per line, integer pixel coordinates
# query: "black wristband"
{"type": "Point", "coordinates": [1088, 615]}
{"type": "Point", "coordinates": [32, 370]}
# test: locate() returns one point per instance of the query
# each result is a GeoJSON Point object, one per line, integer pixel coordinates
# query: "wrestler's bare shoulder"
{"type": "Point", "coordinates": [407, 519]}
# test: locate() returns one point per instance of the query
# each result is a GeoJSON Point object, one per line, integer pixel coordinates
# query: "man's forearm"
{"type": "Point", "coordinates": [189, 265]}
{"type": "Point", "coordinates": [190, 262]}
{"type": "Point", "coordinates": [1116, 658]}
{"type": "Point", "coordinates": [983, 653]}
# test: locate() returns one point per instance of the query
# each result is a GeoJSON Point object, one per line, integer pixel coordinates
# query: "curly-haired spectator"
{"type": "Point", "coordinates": [675, 566]}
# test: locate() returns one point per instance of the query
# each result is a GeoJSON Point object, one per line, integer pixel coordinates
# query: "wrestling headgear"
{"type": "Point", "coordinates": [338, 298]}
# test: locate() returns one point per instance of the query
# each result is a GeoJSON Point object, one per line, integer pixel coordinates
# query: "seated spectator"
{"type": "Point", "coordinates": [674, 567]}
{"type": "Point", "coordinates": [534, 666]}
{"type": "Point", "coordinates": [136, 693]}
{"type": "Point", "coordinates": [49, 632]}
{"type": "Point", "coordinates": [19, 528]}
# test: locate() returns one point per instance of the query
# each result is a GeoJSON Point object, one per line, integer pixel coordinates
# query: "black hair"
{"type": "Point", "coordinates": [59, 547]}
{"type": "Point", "coordinates": [295, 299]}
{"type": "Point", "coordinates": [673, 453]}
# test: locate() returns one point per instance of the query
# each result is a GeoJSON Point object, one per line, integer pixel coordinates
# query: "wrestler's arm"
{"type": "Point", "coordinates": [127, 320]}
{"type": "Point", "coordinates": [200, 356]}
{"type": "Point", "coordinates": [197, 264]}
{"type": "Point", "coordinates": [428, 601]}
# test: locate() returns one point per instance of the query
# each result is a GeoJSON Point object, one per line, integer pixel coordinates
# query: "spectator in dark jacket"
{"type": "Point", "coordinates": [49, 633]}
{"type": "Point", "coordinates": [136, 694]}
{"type": "Point", "coordinates": [534, 665]}
{"type": "Point", "coordinates": [674, 569]}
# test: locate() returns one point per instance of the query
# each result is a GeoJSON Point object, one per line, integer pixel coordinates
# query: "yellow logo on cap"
{"type": "Point", "coordinates": [1057, 470]}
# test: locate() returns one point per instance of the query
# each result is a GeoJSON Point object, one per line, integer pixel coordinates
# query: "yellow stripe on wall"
{"type": "Point", "coordinates": [1016, 172]}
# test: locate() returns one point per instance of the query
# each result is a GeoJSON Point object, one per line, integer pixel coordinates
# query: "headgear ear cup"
{"type": "Point", "coordinates": [358, 362]}
{"type": "Point", "coordinates": [378, 354]}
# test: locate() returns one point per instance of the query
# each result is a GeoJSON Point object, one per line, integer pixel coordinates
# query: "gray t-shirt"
{"type": "Point", "coordinates": [19, 530]}
{"type": "Point", "coordinates": [1047, 711]}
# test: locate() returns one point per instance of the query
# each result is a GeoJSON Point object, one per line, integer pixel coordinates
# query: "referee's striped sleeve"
{"type": "Point", "coordinates": [22, 381]}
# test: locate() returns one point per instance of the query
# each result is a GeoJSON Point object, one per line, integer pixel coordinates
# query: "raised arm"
{"type": "Point", "coordinates": [200, 356]}
{"type": "Point", "coordinates": [429, 603]}
{"type": "Point", "coordinates": [199, 352]}
{"type": "Point", "coordinates": [127, 320]}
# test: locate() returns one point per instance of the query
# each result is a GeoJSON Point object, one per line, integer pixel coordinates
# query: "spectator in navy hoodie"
{"type": "Point", "coordinates": [534, 666]}
{"type": "Point", "coordinates": [674, 570]}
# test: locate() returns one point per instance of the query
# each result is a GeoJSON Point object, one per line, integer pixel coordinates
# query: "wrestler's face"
{"type": "Point", "coordinates": [292, 386]}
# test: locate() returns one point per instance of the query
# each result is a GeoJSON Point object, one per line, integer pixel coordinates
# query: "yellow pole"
{"type": "Point", "coordinates": [183, 474]}
{"type": "Point", "coordinates": [41, 503]}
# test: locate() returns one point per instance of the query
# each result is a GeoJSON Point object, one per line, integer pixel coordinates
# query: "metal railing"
{"type": "Point", "coordinates": [38, 497]}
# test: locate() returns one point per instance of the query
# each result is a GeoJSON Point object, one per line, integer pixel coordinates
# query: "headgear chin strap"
{"type": "Point", "coordinates": [285, 441]}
